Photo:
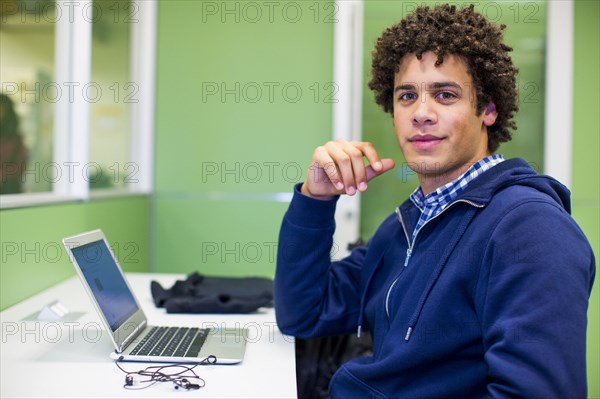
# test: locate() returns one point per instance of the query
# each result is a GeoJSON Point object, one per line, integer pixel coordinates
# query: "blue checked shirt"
{"type": "Point", "coordinates": [435, 202]}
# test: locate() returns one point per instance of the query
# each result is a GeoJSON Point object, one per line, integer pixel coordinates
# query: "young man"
{"type": "Point", "coordinates": [478, 285]}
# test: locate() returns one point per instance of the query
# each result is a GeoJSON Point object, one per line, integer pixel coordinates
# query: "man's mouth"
{"type": "Point", "coordinates": [425, 141]}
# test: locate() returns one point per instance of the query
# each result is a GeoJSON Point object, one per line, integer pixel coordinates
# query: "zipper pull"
{"type": "Point", "coordinates": [408, 253]}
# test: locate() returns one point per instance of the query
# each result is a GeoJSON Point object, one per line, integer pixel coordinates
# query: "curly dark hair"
{"type": "Point", "coordinates": [464, 33]}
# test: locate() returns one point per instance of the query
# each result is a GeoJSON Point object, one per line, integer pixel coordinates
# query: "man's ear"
{"type": "Point", "coordinates": [490, 114]}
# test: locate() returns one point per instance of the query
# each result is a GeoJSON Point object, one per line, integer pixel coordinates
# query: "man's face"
{"type": "Point", "coordinates": [435, 118]}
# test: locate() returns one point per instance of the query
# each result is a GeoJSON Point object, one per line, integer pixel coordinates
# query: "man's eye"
{"type": "Point", "coordinates": [407, 97]}
{"type": "Point", "coordinates": [446, 96]}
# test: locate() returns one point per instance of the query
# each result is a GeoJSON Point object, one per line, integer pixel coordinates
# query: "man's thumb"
{"type": "Point", "coordinates": [387, 163]}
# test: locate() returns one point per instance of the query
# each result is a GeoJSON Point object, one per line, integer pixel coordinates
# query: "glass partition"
{"type": "Point", "coordinates": [114, 93]}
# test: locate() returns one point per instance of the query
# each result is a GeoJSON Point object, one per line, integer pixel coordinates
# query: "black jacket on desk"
{"type": "Point", "coordinates": [203, 294]}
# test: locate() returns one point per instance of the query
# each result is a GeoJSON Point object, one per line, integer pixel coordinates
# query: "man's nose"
{"type": "Point", "coordinates": [424, 112]}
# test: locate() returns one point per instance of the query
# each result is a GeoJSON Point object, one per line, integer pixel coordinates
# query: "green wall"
{"type": "Point", "coordinates": [586, 165]}
{"type": "Point", "coordinates": [243, 98]}
{"type": "Point", "coordinates": [32, 256]}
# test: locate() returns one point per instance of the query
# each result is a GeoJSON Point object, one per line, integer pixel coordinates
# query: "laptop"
{"type": "Point", "coordinates": [123, 318]}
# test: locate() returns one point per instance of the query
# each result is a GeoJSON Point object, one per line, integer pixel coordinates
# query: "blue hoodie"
{"type": "Point", "coordinates": [491, 303]}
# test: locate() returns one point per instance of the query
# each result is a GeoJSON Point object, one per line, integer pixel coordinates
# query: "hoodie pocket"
{"type": "Point", "coordinates": [344, 385]}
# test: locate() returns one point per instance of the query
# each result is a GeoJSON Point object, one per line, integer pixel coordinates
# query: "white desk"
{"type": "Point", "coordinates": [70, 359]}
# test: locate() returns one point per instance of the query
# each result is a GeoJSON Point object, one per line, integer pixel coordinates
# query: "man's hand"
{"type": "Point", "coordinates": [338, 167]}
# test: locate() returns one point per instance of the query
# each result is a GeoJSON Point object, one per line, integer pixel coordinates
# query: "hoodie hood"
{"type": "Point", "coordinates": [513, 172]}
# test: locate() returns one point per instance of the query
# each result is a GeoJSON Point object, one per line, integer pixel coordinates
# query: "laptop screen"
{"type": "Point", "coordinates": [106, 282]}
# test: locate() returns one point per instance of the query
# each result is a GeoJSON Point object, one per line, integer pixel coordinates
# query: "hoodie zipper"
{"type": "Point", "coordinates": [411, 245]}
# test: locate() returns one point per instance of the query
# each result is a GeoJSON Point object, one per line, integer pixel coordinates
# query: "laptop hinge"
{"type": "Point", "coordinates": [132, 336]}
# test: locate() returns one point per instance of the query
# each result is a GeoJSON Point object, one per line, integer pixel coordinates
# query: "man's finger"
{"type": "Point", "coordinates": [370, 153]}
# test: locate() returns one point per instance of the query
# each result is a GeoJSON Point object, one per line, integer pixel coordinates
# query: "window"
{"type": "Point", "coordinates": [27, 38]}
{"type": "Point", "coordinates": [77, 99]}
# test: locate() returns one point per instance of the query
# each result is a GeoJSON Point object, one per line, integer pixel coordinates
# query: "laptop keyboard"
{"type": "Point", "coordinates": [172, 342]}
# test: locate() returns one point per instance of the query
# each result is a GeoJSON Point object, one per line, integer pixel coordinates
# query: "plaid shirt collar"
{"type": "Point", "coordinates": [435, 202]}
